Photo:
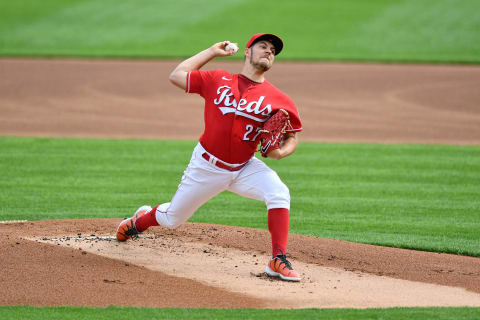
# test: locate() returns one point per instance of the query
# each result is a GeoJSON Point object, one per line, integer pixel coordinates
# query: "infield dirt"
{"type": "Point", "coordinates": [76, 262]}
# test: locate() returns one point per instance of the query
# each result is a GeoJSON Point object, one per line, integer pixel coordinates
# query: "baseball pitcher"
{"type": "Point", "coordinates": [242, 111]}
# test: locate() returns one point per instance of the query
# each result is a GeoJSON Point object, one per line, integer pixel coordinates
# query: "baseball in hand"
{"type": "Point", "coordinates": [231, 47]}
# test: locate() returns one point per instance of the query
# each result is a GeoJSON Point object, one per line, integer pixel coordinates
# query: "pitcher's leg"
{"type": "Point", "coordinates": [199, 183]}
{"type": "Point", "coordinates": [257, 181]}
{"type": "Point", "coordinates": [278, 222]}
{"type": "Point", "coordinates": [196, 188]}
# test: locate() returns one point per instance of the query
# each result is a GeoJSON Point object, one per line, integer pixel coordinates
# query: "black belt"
{"type": "Point", "coordinates": [219, 164]}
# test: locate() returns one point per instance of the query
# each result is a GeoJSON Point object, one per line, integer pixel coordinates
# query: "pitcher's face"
{"type": "Point", "coordinates": [261, 55]}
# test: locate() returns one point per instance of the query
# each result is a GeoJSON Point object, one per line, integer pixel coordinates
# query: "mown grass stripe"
{"type": "Point", "coordinates": [73, 313]}
{"type": "Point", "coordinates": [374, 30]}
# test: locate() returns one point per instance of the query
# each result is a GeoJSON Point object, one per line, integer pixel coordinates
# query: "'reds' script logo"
{"type": "Point", "coordinates": [252, 110]}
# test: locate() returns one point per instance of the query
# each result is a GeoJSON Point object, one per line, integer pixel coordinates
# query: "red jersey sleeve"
{"type": "Point", "coordinates": [284, 102]}
{"type": "Point", "coordinates": [295, 121]}
{"type": "Point", "coordinates": [196, 80]}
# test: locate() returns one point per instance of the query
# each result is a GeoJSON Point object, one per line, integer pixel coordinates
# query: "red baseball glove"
{"type": "Point", "coordinates": [273, 131]}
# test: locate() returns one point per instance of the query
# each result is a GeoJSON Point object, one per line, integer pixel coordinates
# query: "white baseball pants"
{"type": "Point", "coordinates": [202, 180]}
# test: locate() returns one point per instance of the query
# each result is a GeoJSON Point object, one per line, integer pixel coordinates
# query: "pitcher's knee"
{"type": "Point", "coordinates": [278, 198]}
{"type": "Point", "coordinates": [167, 218]}
{"type": "Point", "coordinates": [170, 221]}
{"type": "Point", "coordinates": [174, 225]}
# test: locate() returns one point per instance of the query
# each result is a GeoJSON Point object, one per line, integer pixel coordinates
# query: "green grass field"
{"type": "Point", "coordinates": [374, 30]}
{"type": "Point", "coordinates": [409, 196]}
{"type": "Point", "coordinates": [74, 313]}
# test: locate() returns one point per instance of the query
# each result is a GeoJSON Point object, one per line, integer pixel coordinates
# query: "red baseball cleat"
{"type": "Point", "coordinates": [281, 267]}
{"type": "Point", "coordinates": [127, 229]}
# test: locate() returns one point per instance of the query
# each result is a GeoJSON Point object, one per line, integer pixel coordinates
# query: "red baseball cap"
{"type": "Point", "coordinates": [275, 40]}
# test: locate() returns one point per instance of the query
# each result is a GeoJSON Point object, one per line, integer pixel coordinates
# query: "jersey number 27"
{"type": "Point", "coordinates": [251, 134]}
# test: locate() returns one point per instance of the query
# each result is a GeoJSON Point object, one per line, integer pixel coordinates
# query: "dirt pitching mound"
{"type": "Point", "coordinates": [78, 262]}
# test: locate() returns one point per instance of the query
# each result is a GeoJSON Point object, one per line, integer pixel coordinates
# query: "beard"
{"type": "Point", "coordinates": [260, 65]}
